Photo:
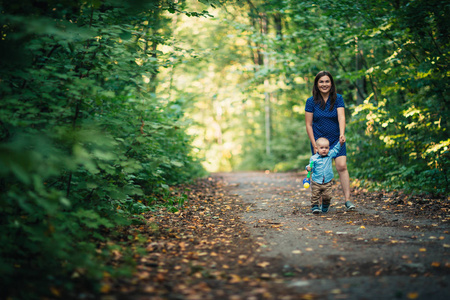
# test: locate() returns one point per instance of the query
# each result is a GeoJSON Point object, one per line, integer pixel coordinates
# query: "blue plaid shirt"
{"type": "Point", "coordinates": [322, 170]}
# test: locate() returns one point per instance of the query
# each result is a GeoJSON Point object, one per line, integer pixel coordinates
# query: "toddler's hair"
{"type": "Point", "coordinates": [322, 140]}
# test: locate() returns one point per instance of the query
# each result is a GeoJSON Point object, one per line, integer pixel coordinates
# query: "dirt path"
{"type": "Point", "coordinates": [386, 249]}
{"type": "Point", "coordinates": [251, 236]}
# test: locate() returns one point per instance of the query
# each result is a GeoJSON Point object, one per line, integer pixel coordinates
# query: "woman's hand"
{"type": "Point", "coordinates": [342, 139]}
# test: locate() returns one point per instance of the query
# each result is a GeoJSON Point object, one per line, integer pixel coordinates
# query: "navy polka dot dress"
{"type": "Point", "coordinates": [325, 122]}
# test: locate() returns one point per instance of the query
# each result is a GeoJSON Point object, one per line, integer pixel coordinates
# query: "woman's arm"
{"type": "Point", "coordinates": [341, 120]}
{"type": "Point", "coordinates": [309, 128]}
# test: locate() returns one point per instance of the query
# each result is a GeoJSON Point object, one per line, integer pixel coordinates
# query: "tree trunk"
{"type": "Point", "coordinates": [360, 83]}
{"type": "Point", "coordinates": [267, 121]}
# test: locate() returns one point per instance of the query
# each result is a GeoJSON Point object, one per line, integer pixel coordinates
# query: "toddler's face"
{"type": "Point", "coordinates": [323, 149]}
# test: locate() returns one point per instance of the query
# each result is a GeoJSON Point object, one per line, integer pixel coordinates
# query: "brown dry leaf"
{"type": "Point", "coordinates": [160, 277]}
{"type": "Point", "coordinates": [57, 293]}
{"type": "Point", "coordinates": [143, 275]}
{"type": "Point", "coordinates": [149, 289]}
{"type": "Point", "coordinates": [435, 264]}
{"type": "Point", "coordinates": [423, 249]}
{"type": "Point", "coordinates": [413, 295]}
{"type": "Point", "coordinates": [202, 286]}
{"type": "Point", "coordinates": [182, 246]}
{"type": "Point", "coordinates": [263, 264]}
{"type": "Point", "coordinates": [235, 278]}
{"type": "Point", "coordinates": [105, 288]}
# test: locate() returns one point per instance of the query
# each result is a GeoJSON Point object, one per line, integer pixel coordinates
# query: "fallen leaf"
{"type": "Point", "coordinates": [309, 296]}
{"type": "Point", "coordinates": [57, 293]}
{"type": "Point", "coordinates": [435, 264]}
{"type": "Point", "coordinates": [336, 291]}
{"type": "Point", "coordinates": [413, 295]}
{"type": "Point", "coordinates": [105, 288]}
{"type": "Point", "coordinates": [149, 289]}
{"type": "Point", "coordinates": [423, 249]}
{"type": "Point", "coordinates": [296, 252]}
{"type": "Point", "coordinates": [235, 278]}
{"type": "Point", "coordinates": [143, 275]}
{"type": "Point", "coordinates": [263, 264]}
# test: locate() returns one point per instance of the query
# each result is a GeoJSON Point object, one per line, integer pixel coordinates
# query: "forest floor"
{"type": "Point", "coordinates": [252, 235]}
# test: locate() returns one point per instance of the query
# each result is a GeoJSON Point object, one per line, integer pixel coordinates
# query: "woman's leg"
{"type": "Point", "coordinates": [341, 167]}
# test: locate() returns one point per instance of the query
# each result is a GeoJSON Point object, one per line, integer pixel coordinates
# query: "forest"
{"type": "Point", "coordinates": [108, 107]}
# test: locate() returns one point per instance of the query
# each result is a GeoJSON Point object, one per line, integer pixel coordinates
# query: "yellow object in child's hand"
{"type": "Point", "coordinates": [306, 185]}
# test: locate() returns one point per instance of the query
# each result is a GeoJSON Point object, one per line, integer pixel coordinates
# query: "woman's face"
{"type": "Point", "coordinates": [324, 84]}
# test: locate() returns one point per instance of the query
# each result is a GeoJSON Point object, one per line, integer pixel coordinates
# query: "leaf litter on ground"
{"type": "Point", "coordinates": [203, 251]}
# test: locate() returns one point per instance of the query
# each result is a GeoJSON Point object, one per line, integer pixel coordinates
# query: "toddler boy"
{"type": "Point", "coordinates": [322, 174]}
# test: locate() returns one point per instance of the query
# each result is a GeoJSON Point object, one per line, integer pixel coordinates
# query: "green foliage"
{"type": "Point", "coordinates": [405, 120]}
{"type": "Point", "coordinates": [389, 60]}
{"type": "Point", "coordinates": [85, 139]}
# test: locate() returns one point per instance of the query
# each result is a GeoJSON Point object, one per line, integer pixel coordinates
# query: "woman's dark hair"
{"type": "Point", "coordinates": [317, 96]}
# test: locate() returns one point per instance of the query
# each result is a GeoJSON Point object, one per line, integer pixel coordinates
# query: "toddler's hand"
{"type": "Point", "coordinates": [308, 168]}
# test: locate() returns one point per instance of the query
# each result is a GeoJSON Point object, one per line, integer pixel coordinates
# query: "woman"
{"type": "Point", "coordinates": [325, 117]}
